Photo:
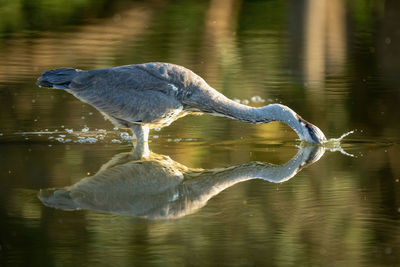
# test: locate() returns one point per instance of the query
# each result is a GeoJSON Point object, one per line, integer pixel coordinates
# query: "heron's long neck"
{"type": "Point", "coordinates": [274, 112]}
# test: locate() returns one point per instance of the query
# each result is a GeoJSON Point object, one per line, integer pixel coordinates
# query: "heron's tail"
{"type": "Point", "coordinates": [58, 79]}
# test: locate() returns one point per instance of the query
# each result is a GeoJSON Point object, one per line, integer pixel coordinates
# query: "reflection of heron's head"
{"type": "Point", "coordinates": [310, 154]}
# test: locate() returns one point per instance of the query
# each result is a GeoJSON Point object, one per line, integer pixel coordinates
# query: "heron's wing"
{"type": "Point", "coordinates": [127, 93]}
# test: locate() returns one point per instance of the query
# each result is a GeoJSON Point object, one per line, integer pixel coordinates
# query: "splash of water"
{"type": "Point", "coordinates": [337, 140]}
{"type": "Point", "coordinates": [333, 144]}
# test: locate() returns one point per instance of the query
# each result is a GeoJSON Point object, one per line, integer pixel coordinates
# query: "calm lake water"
{"type": "Point", "coordinates": [215, 191]}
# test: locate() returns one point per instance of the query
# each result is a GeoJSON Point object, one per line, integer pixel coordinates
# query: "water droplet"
{"type": "Point", "coordinates": [85, 129]}
{"type": "Point", "coordinates": [125, 136]}
{"type": "Point", "coordinates": [87, 140]}
{"type": "Point", "coordinates": [257, 99]}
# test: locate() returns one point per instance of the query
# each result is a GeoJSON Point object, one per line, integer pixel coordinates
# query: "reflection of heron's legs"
{"type": "Point", "coordinates": [118, 159]}
{"type": "Point", "coordinates": [141, 149]}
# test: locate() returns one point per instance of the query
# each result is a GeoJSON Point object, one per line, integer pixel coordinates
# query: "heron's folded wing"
{"type": "Point", "coordinates": [126, 93]}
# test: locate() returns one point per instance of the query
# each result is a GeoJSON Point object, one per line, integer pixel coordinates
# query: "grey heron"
{"type": "Point", "coordinates": [153, 95]}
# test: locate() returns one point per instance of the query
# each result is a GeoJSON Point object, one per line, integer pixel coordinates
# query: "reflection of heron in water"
{"type": "Point", "coordinates": [153, 95]}
{"type": "Point", "coordinates": [158, 187]}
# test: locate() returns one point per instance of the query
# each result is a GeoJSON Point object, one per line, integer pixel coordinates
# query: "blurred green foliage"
{"type": "Point", "coordinates": [39, 15]}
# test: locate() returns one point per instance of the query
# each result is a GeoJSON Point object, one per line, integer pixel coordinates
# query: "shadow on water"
{"type": "Point", "coordinates": [161, 188]}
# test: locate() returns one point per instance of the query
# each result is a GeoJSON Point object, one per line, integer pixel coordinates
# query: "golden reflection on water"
{"type": "Point", "coordinates": [324, 207]}
{"type": "Point", "coordinates": [325, 42]}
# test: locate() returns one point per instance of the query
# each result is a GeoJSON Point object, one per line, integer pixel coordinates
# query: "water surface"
{"type": "Point", "coordinates": [338, 69]}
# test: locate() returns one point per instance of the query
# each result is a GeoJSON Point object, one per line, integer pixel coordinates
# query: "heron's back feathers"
{"type": "Point", "coordinates": [58, 79]}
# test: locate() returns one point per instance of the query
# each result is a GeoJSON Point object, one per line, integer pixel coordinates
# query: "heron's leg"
{"type": "Point", "coordinates": [141, 149]}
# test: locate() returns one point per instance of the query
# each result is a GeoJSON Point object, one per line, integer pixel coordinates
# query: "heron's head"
{"type": "Point", "coordinates": [309, 132]}
{"type": "Point", "coordinates": [306, 131]}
